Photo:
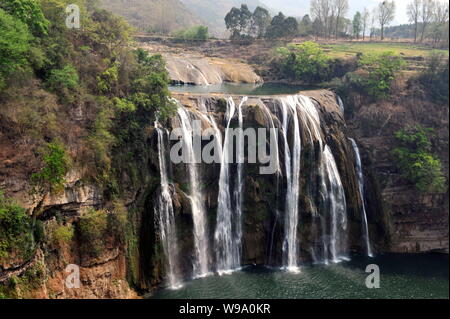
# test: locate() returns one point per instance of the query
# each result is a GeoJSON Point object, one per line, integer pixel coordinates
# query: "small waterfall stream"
{"type": "Point", "coordinates": [164, 216]}
{"type": "Point", "coordinates": [292, 167]}
{"type": "Point", "coordinates": [336, 206]}
{"type": "Point", "coordinates": [228, 233]}
{"type": "Point", "coordinates": [359, 172]}
{"type": "Point", "coordinates": [201, 261]}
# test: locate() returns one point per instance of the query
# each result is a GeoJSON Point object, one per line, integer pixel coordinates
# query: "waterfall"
{"type": "Point", "coordinates": [335, 206]}
{"type": "Point", "coordinates": [361, 194]}
{"type": "Point", "coordinates": [271, 125]}
{"type": "Point", "coordinates": [292, 167]}
{"type": "Point", "coordinates": [304, 139]}
{"type": "Point", "coordinates": [341, 104]}
{"type": "Point", "coordinates": [164, 216]}
{"type": "Point", "coordinates": [228, 232]}
{"type": "Point", "coordinates": [200, 264]}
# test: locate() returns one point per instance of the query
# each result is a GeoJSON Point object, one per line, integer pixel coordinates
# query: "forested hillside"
{"type": "Point", "coordinates": [69, 98]}
{"type": "Point", "coordinates": [214, 14]}
{"type": "Point", "coordinates": [160, 16]}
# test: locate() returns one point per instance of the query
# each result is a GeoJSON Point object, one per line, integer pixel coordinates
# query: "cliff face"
{"type": "Point", "coordinates": [198, 70]}
{"type": "Point", "coordinates": [400, 218]}
{"type": "Point", "coordinates": [264, 195]}
{"type": "Point", "coordinates": [418, 222]}
{"type": "Point", "coordinates": [44, 273]}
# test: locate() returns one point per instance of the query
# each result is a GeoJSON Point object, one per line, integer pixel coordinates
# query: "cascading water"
{"type": "Point", "coordinates": [297, 118]}
{"type": "Point", "coordinates": [341, 104]}
{"type": "Point", "coordinates": [164, 216]}
{"type": "Point", "coordinates": [361, 193]}
{"type": "Point", "coordinates": [292, 167]}
{"type": "Point", "coordinates": [201, 261]}
{"type": "Point", "coordinates": [335, 205]}
{"type": "Point", "coordinates": [228, 232]}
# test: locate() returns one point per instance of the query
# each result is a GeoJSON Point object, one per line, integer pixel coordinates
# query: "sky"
{"type": "Point", "coordinates": [301, 7]}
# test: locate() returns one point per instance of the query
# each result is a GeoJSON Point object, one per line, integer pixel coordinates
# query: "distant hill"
{"type": "Point", "coordinates": [214, 11]}
{"type": "Point", "coordinates": [162, 16]}
{"type": "Point", "coordinates": [165, 16]}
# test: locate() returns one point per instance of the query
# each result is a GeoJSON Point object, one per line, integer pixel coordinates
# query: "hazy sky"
{"type": "Point", "coordinates": [301, 7]}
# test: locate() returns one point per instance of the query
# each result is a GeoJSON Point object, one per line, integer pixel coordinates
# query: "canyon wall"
{"type": "Point", "coordinates": [399, 218]}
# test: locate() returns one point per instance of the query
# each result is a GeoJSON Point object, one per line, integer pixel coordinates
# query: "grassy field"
{"type": "Point", "coordinates": [345, 50]}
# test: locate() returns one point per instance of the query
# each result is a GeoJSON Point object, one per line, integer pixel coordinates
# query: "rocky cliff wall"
{"type": "Point", "coordinates": [418, 221]}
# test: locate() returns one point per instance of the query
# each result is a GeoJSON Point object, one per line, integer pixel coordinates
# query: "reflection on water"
{"type": "Point", "coordinates": [241, 89]}
{"type": "Point", "coordinates": [402, 277]}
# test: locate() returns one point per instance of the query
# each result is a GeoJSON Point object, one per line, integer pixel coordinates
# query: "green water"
{"type": "Point", "coordinates": [241, 89]}
{"type": "Point", "coordinates": [401, 277]}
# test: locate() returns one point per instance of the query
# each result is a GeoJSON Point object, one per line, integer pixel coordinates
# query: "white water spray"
{"type": "Point", "coordinates": [164, 217]}
{"type": "Point", "coordinates": [361, 194]}
{"type": "Point", "coordinates": [201, 261]}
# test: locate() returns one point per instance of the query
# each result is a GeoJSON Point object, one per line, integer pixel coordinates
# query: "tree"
{"type": "Point", "coordinates": [14, 45]}
{"type": "Point", "coordinates": [321, 11]}
{"type": "Point", "coordinates": [372, 22]}
{"type": "Point", "coordinates": [413, 12]}
{"type": "Point", "coordinates": [306, 25]}
{"type": "Point", "coordinates": [341, 8]}
{"type": "Point", "coordinates": [440, 22]}
{"type": "Point", "coordinates": [232, 20]}
{"type": "Point", "coordinates": [239, 21]}
{"type": "Point", "coordinates": [426, 14]}
{"type": "Point", "coordinates": [357, 24]}
{"type": "Point", "coordinates": [56, 165]}
{"type": "Point", "coordinates": [386, 14]}
{"type": "Point", "coordinates": [305, 62]}
{"type": "Point", "coordinates": [260, 21]}
{"type": "Point", "coordinates": [275, 30]}
{"type": "Point", "coordinates": [245, 19]}
{"type": "Point", "coordinates": [381, 69]}
{"type": "Point", "coordinates": [365, 22]}
{"type": "Point", "coordinates": [290, 27]}
{"type": "Point", "coordinates": [317, 28]}
{"type": "Point", "coordinates": [29, 12]}
{"type": "Point", "coordinates": [417, 162]}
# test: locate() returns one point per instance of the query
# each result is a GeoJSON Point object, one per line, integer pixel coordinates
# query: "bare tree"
{"type": "Point", "coordinates": [426, 15]}
{"type": "Point", "coordinates": [365, 21]}
{"type": "Point", "coordinates": [372, 22]}
{"type": "Point", "coordinates": [386, 14]}
{"type": "Point", "coordinates": [340, 9]}
{"type": "Point", "coordinates": [321, 11]}
{"type": "Point", "coordinates": [413, 12]}
{"type": "Point", "coordinates": [440, 21]}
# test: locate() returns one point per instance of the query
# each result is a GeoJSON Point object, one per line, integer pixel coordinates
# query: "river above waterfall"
{"type": "Point", "coordinates": [401, 276]}
{"type": "Point", "coordinates": [241, 88]}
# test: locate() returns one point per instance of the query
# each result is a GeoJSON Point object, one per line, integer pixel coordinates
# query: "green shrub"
{"type": "Point", "coordinates": [434, 78]}
{"type": "Point", "coordinates": [304, 62]}
{"type": "Point", "coordinates": [416, 161]}
{"type": "Point", "coordinates": [380, 70]}
{"type": "Point", "coordinates": [29, 12]}
{"type": "Point", "coordinates": [16, 231]}
{"type": "Point", "coordinates": [93, 227]}
{"type": "Point", "coordinates": [14, 45]}
{"type": "Point", "coordinates": [109, 79]}
{"type": "Point", "coordinates": [65, 78]}
{"type": "Point", "coordinates": [199, 33]}
{"type": "Point", "coordinates": [56, 165]}
{"type": "Point", "coordinates": [39, 231]}
{"type": "Point", "coordinates": [62, 234]}
{"type": "Point", "coordinates": [98, 226]}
